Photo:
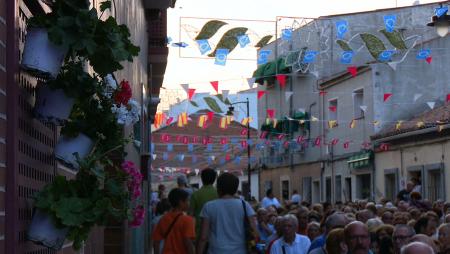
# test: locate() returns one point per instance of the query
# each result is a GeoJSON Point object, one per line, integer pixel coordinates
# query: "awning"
{"type": "Point", "coordinates": [267, 72]}
{"type": "Point", "coordinates": [361, 160]}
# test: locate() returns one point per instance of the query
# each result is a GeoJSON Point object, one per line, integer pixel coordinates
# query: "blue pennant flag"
{"type": "Point", "coordinates": [165, 156]}
{"type": "Point", "coordinates": [234, 141]}
{"type": "Point", "coordinates": [194, 158]}
{"type": "Point", "coordinates": [286, 34]}
{"type": "Point", "coordinates": [259, 147]}
{"type": "Point", "coordinates": [203, 46]}
{"type": "Point", "coordinates": [310, 56]}
{"type": "Point", "coordinates": [389, 22]}
{"type": "Point", "coordinates": [180, 44]}
{"type": "Point", "coordinates": [180, 157]}
{"type": "Point", "coordinates": [249, 142]}
{"type": "Point", "coordinates": [441, 11]}
{"type": "Point", "coordinates": [209, 147]}
{"type": "Point", "coordinates": [190, 147]}
{"type": "Point", "coordinates": [237, 160]}
{"type": "Point", "coordinates": [222, 161]}
{"type": "Point", "coordinates": [243, 40]}
{"type": "Point", "coordinates": [225, 148]}
{"type": "Point", "coordinates": [210, 160]}
{"type": "Point", "coordinates": [169, 147]}
{"type": "Point", "coordinates": [386, 55]}
{"type": "Point", "coordinates": [263, 56]}
{"type": "Point", "coordinates": [341, 28]}
{"type": "Point", "coordinates": [347, 57]}
{"type": "Point", "coordinates": [221, 56]}
{"type": "Point", "coordinates": [152, 147]}
{"type": "Point", "coordinates": [423, 54]}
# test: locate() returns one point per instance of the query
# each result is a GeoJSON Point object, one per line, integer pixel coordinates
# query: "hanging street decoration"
{"type": "Point", "coordinates": [221, 56]}
{"type": "Point", "coordinates": [288, 95]}
{"type": "Point", "coordinates": [353, 70]}
{"type": "Point", "coordinates": [286, 34]}
{"type": "Point", "coordinates": [203, 46]}
{"type": "Point", "coordinates": [281, 80]}
{"type": "Point", "coordinates": [191, 92]}
{"type": "Point", "coordinates": [386, 96]}
{"type": "Point", "coordinates": [261, 94]}
{"type": "Point", "coordinates": [263, 56]}
{"type": "Point", "coordinates": [215, 85]}
{"type": "Point", "coordinates": [341, 28]}
{"type": "Point", "coordinates": [310, 56]}
{"type": "Point", "coordinates": [389, 23]}
{"type": "Point", "coordinates": [347, 57]}
{"type": "Point", "coordinates": [251, 82]}
{"type": "Point", "coordinates": [243, 40]}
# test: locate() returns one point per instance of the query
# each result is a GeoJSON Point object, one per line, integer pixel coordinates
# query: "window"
{"type": "Point", "coordinates": [333, 110]}
{"type": "Point", "coordinates": [363, 186]}
{"type": "Point", "coordinates": [435, 182]}
{"type": "Point", "coordinates": [328, 189]}
{"type": "Point", "coordinates": [307, 189]}
{"type": "Point", "coordinates": [358, 101]}
{"type": "Point", "coordinates": [338, 189]}
{"type": "Point", "coordinates": [348, 189]}
{"type": "Point", "coordinates": [390, 184]}
{"type": "Point", "coordinates": [316, 192]}
{"type": "Point", "coordinates": [285, 189]}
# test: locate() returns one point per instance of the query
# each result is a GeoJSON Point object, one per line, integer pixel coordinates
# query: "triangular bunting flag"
{"type": "Point", "coordinates": [191, 92]}
{"type": "Point", "coordinates": [420, 124]}
{"type": "Point", "coordinates": [346, 144]}
{"type": "Point", "coordinates": [169, 120]}
{"type": "Point", "coordinates": [154, 156]}
{"type": "Point", "coordinates": [417, 96]}
{"type": "Point", "coordinates": [270, 113]}
{"type": "Point", "coordinates": [431, 104]}
{"type": "Point", "coordinates": [185, 87]}
{"type": "Point", "coordinates": [352, 124]}
{"type": "Point", "coordinates": [353, 70]}
{"type": "Point", "coordinates": [386, 96]}
{"type": "Point", "coordinates": [429, 59]}
{"type": "Point", "coordinates": [251, 82]}
{"type": "Point", "coordinates": [332, 124]}
{"type": "Point", "coordinates": [202, 121]}
{"type": "Point", "coordinates": [261, 94]}
{"type": "Point", "coordinates": [448, 98]}
{"type": "Point", "coordinates": [223, 123]}
{"type": "Point", "coordinates": [322, 93]}
{"type": "Point", "coordinates": [281, 80]}
{"type": "Point", "coordinates": [314, 119]}
{"type": "Point", "coordinates": [287, 95]}
{"type": "Point", "coordinates": [215, 85]}
{"type": "Point", "coordinates": [317, 141]}
{"type": "Point", "coordinates": [363, 108]}
{"type": "Point", "coordinates": [332, 108]}
{"type": "Point", "coordinates": [398, 125]}
{"type": "Point", "coordinates": [225, 94]}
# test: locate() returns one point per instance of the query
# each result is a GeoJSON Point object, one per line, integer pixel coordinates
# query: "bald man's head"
{"type": "Point", "coordinates": [417, 248]}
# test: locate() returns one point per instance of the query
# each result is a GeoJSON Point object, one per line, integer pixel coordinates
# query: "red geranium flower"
{"type": "Point", "coordinates": [124, 94]}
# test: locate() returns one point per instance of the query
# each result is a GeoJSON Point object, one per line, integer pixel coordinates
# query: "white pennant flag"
{"type": "Point", "coordinates": [213, 157]}
{"type": "Point", "coordinates": [287, 95]}
{"type": "Point", "coordinates": [196, 171]}
{"type": "Point", "coordinates": [225, 94]}
{"type": "Point", "coordinates": [301, 110]}
{"type": "Point", "coordinates": [431, 104]}
{"type": "Point", "coordinates": [218, 172]}
{"type": "Point", "coordinates": [251, 82]}
{"type": "Point", "coordinates": [185, 87]}
{"type": "Point", "coordinates": [154, 156]}
{"type": "Point", "coordinates": [363, 108]}
{"type": "Point", "coordinates": [417, 96]}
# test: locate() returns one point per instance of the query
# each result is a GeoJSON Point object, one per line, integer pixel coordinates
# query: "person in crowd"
{"type": "Point", "coordinates": [404, 194]}
{"type": "Point", "coordinates": [314, 216]}
{"type": "Point", "coordinates": [157, 196]}
{"type": "Point", "coordinates": [364, 215]}
{"type": "Point", "coordinates": [417, 185]}
{"type": "Point", "coordinates": [425, 225]}
{"type": "Point", "coordinates": [302, 217]}
{"type": "Point", "coordinates": [290, 242]}
{"type": "Point", "coordinates": [387, 217]}
{"type": "Point", "coordinates": [417, 248]}
{"type": "Point", "coordinates": [205, 194]}
{"type": "Point", "coordinates": [357, 238]}
{"type": "Point", "coordinates": [336, 220]}
{"type": "Point", "coordinates": [373, 224]}
{"type": "Point", "coordinates": [444, 238]}
{"type": "Point", "coordinates": [426, 240]}
{"type": "Point", "coordinates": [182, 182]}
{"type": "Point", "coordinates": [276, 235]}
{"type": "Point", "coordinates": [223, 220]}
{"type": "Point", "coordinates": [313, 230]}
{"type": "Point", "coordinates": [335, 242]}
{"type": "Point", "coordinates": [161, 208]}
{"type": "Point", "coordinates": [270, 200]}
{"type": "Point", "coordinates": [296, 198]}
{"type": "Point", "coordinates": [401, 236]}
{"type": "Point", "coordinates": [384, 230]}
{"type": "Point", "coordinates": [386, 246]}
{"type": "Point", "coordinates": [265, 229]}
{"type": "Point", "coordinates": [447, 218]}
{"type": "Point", "coordinates": [175, 228]}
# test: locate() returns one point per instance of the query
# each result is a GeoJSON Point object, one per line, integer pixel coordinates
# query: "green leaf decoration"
{"type": "Point", "coordinates": [373, 44]}
{"type": "Point", "coordinates": [105, 5]}
{"type": "Point", "coordinates": [212, 104]}
{"type": "Point", "coordinates": [344, 45]}
{"type": "Point", "coordinates": [229, 39]}
{"type": "Point", "coordinates": [395, 38]}
{"type": "Point", "coordinates": [220, 97]}
{"type": "Point", "coordinates": [210, 29]}
{"type": "Point", "coordinates": [264, 41]}
{"type": "Point", "coordinates": [193, 103]}
{"type": "Point", "coordinates": [292, 58]}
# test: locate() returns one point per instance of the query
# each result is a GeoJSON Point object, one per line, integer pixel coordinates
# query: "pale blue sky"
{"type": "Point", "coordinates": [197, 72]}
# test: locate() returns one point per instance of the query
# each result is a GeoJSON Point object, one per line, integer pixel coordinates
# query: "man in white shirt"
{"type": "Point", "coordinates": [290, 242]}
{"type": "Point", "coordinates": [296, 198]}
{"type": "Point", "coordinates": [270, 200]}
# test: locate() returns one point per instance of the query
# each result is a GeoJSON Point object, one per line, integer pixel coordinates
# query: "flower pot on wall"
{"type": "Point", "coordinates": [67, 147]}
{"type": "Point", "coordinates": [43, 231]}
{"type": "Point", "coordinates": [40, 55]}
{"type": "Point", "coordinates": [52, 105]}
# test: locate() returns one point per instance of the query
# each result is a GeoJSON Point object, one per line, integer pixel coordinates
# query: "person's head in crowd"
{"type": "Point", "coordinates": [447, 218]}
{"type": "Point", "coordinates": [161, 188]}
{"type": "Point", "coordinates": [357, 238]}
{"type": "Point", "coordinates": [371, 207]}
{"type": "Point", "coordinates": [272, 210]}
{"type": "Point", "coordinates": [373, 224]}
{"type": "Point", "coordinates": [411, 223]}
{"type": "Point", "coordinates": [290, 225]}
{"type": "Point", "coordinates": [402, 206]}
{"type": "Point", "coordinates": [386, 245]}
{"type": "Point", "coordinates": [409, 186]}
{"type": "Point", "coordinates": [348, 209]}
{"type": "Point", "coordinates": [389, 205]}
{"type": "Point", "coordinates": [179, 199]}
{"type": "Point", "coordinates": [415, 213]}
{"type": "Point", "coordinates": [162, 206]}
{"type": "Point", "coordinates": [314, 216]}
{"type": "Point", "coordinates": [415, 181]}
{"type": "Point", "coordinates": [336, 220]}
{"type": "Point", "coordinates": [364, 215]}
{"type": "Point", "coordinates": [401, 218]}
{"type": "Point", "coordinates": [327, 207]}
{"type": "Point", "coordinates": [416, 196]}
{"type": "Point", "coordinates": [444, 237]}
{"type": "Point", "coordinates": [446, 208]}
{"type": "Point", "coordinates": [350, 217]}
{"type": "Point", "coordinates": [425, 225]}
{"type": "Point", "coordinates": [305, 203]}
{"type": "Point", "coordinates": [433, 216]}
{"type": "Point", "coordinates": [438, 207]}
{"type": "Point", "coordinates": [335, 242]}
{"type": "Point", "coordinates": [387, 218]}
{"type": "Point", "coordinates": [313, 230]}
{"type": "Point", "coordinates": [182, 181]}
{"type": "Point", "coordinates": [208, 176]}
{"type": "Point", "coordinates": [318, 208]}
{"type": "Point", "coordinates": [401, 236]}
{"type": "Point", "coordinates": [384, 231]}
{"type": "Point", "coordinates": [227, 184]}
{"type": "Point", "coordinates": [269, 193]}
{"type": "Point", "coordinates": [426, 240]}
{"type": "Point", "coordinates": [362, 204]}
{"type": "Point", "coordinates": [417, 248]}
{"type": "Point", "coordinates": [302, 217]}
{"type": "Point", "coordinates": [278, 225]}
{"type": "Point", "coordinates": [262, 215]}
{"type": "Point", "coordinates": [272, 217]}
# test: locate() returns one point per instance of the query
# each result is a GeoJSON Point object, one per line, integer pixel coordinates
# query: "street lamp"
{"type": "Point", "coordinates": [441, 23]}
{"type": "Point", "coordinates": [230, 113]}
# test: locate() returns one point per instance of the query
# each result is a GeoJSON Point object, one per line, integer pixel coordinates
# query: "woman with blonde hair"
{"type": "Point", "coordinates": [335, 243]}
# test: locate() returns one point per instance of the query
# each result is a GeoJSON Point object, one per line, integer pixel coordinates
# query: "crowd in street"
{"type": "Point", "coordinates": [216, 220]}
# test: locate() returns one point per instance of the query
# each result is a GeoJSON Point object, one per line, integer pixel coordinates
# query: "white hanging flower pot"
{"type": "Point", "coordinates": [41, 55]}
{"type": "Point", "coordinates": [52, 105]}
{"type": "Point", "coordinates": [43, 231]}
{"type": "Point", "coordinates": [67, 147]}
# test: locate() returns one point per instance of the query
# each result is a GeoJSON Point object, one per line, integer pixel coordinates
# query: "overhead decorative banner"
{"type": "Point", "coordinates": [389, 22]}
{"type": "Point", "coordinates": [263, 56]}
{"type": "Point", "coordinates": [180, 44]}
{"type": "Point", "coordinates": [244, 40]}
{"type": "Point", "coordinates": [203, 46]}
{"type": "Point", "coordinates": [417, 96]}
{"type": "Point", "coordinates": [441, 11]}
{"type": "Point", "coordinates": [353, 70]}
{"type": "Point", "coordinates": [271, 113]}
{"type": "Point", "coordinates": [185, 87]}
{"type": "Point", "coordinates": [221, 56]}
{"type": "Point", "coordinates": [363, 108]}
{"type": "Point", "coordinates": [431, 104]}
{"type": "Point", "coordinates": [310, 56]}
{"type": "Point", "coordinates": [386, 96]}
{"type": "Point", "coordinates": [286, 34]}
{"type": "Point", "coordinates": [215, 85]}
{"type": "Point", "coordinates": [347, 57]}
{"type": "Point", "coordinates": [169, 147]}
{"type": "Point", "coordinates": [341, 28]}
{"type": "Point", "coordinates": [386, 55]}
{"type": "Point", "coordinates": [423, 54]}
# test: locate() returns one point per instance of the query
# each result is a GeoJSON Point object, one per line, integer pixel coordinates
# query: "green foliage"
{"type": "Point", "coordinates": [344, 45]}
{"type": "Point", "coordinates": [395, 38]}
{"type": "Point", "coordinates": [229, 39]}
{"type": "Point", "coordinates": [193, 103]}
{"type": "Point", "coordinates": [212, 104]}
{"type": "Point", "coordinates": [373, 44]}
{"type": "Point", "coordinates": [210, 29]}
{"type": "Point", "coordinates": [264, 41]}
{"type": "Point", "coordinates": [220, 97]}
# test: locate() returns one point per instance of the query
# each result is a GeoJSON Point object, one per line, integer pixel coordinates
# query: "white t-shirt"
{"type": "Point", "coordinates": [296, 198]}
{"type": "Point", "coordinates": [266, 202]}
{"type": "Point", "coordinates": [299, 246]}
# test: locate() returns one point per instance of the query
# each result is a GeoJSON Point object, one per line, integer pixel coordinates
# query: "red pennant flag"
{"type": "Point", "coordinates": [210, 115]}
{"type": "Point", "coordinates": [353, 70]}
{"type": "Point", "coordinates": [223, 141]}
{"type": "Point", "coordinates": [318, 141]}
{"type": "Point", "coordinates": [227, 157]}
{"type": "Point", "coordinates": [244, 143]}
{"type": "Point", "coordinates": [165, 138]}
{"type": "Point", "coordinates": [185, 140]}
{"type": "Point", "coordinates": [334, 141]}
{"type": "Point", "coordinates": [384, 147]}
{"type": "Point", "coordinates": [448, 97]}
{"type": "Point", "coordinates": [332, 108]}
{"type": "Point", "coordinates": [429, 59]}
{"type": "Point", "coordinates": [346, 144]}
{"type": "Point", "coordinates": [215, 85]}
{"type": "Point", "coordinates": [263, 135]}
{"type": "Point", "coordinates": [261, 94]}
{"type": "Point", "coordinates": [281, 136]}
{"type": "Point", "coordinates": [281, 80]}
{"type": "Point", "coordinates": [169, 121]}
{"type": "Point", "coordinates": [286, 144]}
{"type": "Point", "coordinates": [322, 93]}
{"type": "Point", "coordinates": [386, 96]}
{"type": "Point", "coordinates": [244, 132]}
{"type": "Point", "coordinates": [300, 139]}
{"type": "Point", "coordinates": [271, 113]}
{"type": "Point", "coordinates": [191, 92]}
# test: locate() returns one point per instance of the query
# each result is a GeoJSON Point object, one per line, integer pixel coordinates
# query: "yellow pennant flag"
{"type": "Point", "coordinates": [267, 121]}
{"type": "Point", "coordinates": [398, 126]}
{"type": "Point", "coordinates": [223, 123]}
{"type": "Point", "coordinates": [332, 124]}
{"type": "Point", "coordinates": [352, 124]}
{"type": "Point", "coordinates": [184, 118]}
{"type": "Point", "coordinates": [246, 121]}
{"type": "Point", "coordinates": [202, 120]}
{"type": "Point", "coordinates": [180, 121]}
{"type": "Point", "coordinates": [420, 124]}
{"type": "Point", "coordinates": [229, 119]}
{"type": "Point", "coordinates": [274, 123]}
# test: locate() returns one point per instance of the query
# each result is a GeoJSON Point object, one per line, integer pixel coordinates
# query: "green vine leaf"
{"type": "Point", "coordinates": [210, 29]}
{"type": "Point", "coordinates": [193, 103]}
{"type": "Point", "coordinates": [220, 97]}
{"type": "Point", "coordinates": [373, 44]}
{"type": "Point", "coordinates": [229, 39]}
{"type": "Point", "coordinates": [344, 45]}
{"type": "Point", "coordinates": [264, 41]}
{"type": "Point", "coordinates": [395, 38]}
{"type": "Point", "coordinates": [212, 104]}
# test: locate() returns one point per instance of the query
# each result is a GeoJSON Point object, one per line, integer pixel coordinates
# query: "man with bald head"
{"type": "Point", "coordinates": [357, 238]}
{"type": "Point", "coordinates": [417, 248]}
{"type": "Point", "coordinates": [336, 220]}
{"type": "Point", "coordinates": [401, 236]}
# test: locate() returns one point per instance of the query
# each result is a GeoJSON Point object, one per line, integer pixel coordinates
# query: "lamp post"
{"type": "Point", "coordinates": [441, 23]}
{"type": "Point", "coordinates": [230, 113]}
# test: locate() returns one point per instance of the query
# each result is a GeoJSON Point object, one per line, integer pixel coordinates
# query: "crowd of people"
{"type": "Point", "coordinates": [216, 220]}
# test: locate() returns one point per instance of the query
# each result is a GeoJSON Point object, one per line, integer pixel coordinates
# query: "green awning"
{"type": "Point", "coordinates": [361, 160]}
{"type": "Point", "coordinates": [267, 72]}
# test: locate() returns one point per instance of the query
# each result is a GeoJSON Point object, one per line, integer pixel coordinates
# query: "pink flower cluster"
{"type": "Point", "coordinates": [135, 181]}
{"type": "Point", "coordinates": [138, 216]}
